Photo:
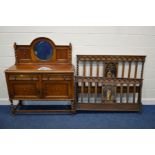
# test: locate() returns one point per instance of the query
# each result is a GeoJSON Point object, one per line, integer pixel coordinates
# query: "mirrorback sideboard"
{"type": "Point", "coordinates": [42, 71]}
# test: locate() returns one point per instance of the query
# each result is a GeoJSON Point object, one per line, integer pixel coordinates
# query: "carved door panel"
{"type": "Point", "coordinates": [24, 90]}
{"type": "Point", "coordinates": [57, 86]}
{"type": "Point", "coordinates": [23, 86]}
{"type": "Point", "coordinates": [56, 89]}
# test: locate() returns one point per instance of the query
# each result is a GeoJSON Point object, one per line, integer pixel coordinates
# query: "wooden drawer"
{"type": "Point", "coordinates": [23, 77]}
{"type": "Point", "coordinates": [56, 77]}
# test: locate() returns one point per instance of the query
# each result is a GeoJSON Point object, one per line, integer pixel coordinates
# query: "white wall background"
{"type": "Point", "coordinates": [85, 40]}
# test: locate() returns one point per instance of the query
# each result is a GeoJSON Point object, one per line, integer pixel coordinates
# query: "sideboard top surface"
{"type": "Point", "coordinates": [55, 68]}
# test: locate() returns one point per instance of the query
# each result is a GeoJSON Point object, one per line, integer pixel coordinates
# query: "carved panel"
{"type": "Point", "coordinates": [24, 89]}
{"type": "Point", "coordinates": [22, 54]}
{"type": "Point", "coordinates": [111, 58]}
{"type": "Point", "coordinates": [109, 93]}
{"type": "Point", "coordinates": [110, 70]}
{"type": "Point", "coordinates": [62, 54]}
{"type": "Point", "coordinates": [54, 89]}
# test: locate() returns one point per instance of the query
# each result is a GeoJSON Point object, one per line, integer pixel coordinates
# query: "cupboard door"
{"type": "Point", "coordinates": [23, 86]}
{"type": "Point", "coordinates": [24, 90]}
{"type": "Point", "coordinates": [58, 86]}
{"type": "Point", "coordinates": [57, 89]}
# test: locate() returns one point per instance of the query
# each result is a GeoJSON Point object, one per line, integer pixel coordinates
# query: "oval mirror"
{"type": "Point", "coordinates": [43, 50]}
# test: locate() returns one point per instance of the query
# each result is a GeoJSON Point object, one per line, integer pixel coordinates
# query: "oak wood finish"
{"type": "Point", "coordinates": [26, 82]}
{"type": "Point", "coordinates": [108, 91]}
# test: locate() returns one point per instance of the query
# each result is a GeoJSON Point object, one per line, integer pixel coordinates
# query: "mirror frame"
{"type": "Point", "coordinates": [34, 56]}
{"type": "Point", "coordinates": [43, 50]}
